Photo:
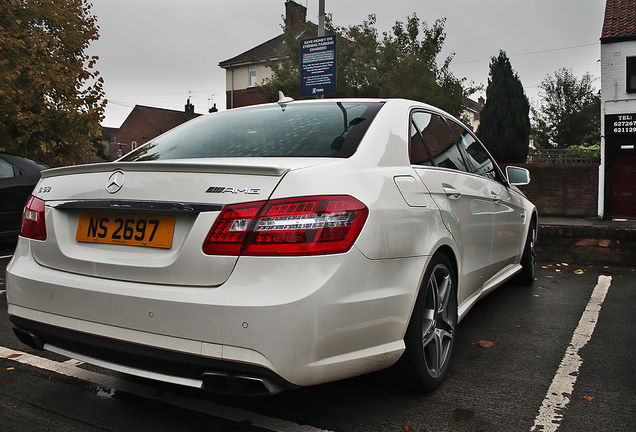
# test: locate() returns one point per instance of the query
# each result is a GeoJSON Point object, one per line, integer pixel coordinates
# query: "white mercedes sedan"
{"type": "Point", "coordinates": [272, 247]}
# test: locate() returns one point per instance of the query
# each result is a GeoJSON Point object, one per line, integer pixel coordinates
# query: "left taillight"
{"type": "Point", "coordinates": [292, 227]}
{"type": "Point", "coordinates": [33, 225]}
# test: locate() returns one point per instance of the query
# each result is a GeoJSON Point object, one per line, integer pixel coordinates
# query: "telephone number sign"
{"type": "Point", "coordinates": [620, 124]}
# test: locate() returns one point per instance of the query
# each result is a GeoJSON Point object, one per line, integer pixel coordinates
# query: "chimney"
{"type": "Point", "coordinates": [295, 16]}
{"type": "Point", "coordinates": [189, 109]}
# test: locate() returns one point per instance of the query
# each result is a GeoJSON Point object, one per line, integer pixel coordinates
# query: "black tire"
{"type": "Point", "coordinates": [430, 336]}
{"type": "Point", "coordinates": [528, 259]}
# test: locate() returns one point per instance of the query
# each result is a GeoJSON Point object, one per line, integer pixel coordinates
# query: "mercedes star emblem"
{"type": "Point", "coordinates": [115, 182]}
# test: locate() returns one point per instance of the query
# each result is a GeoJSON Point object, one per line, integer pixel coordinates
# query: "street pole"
{"type": "Point", "coordinates": [321, 25]}
{"type": "Point", "coordinates": [321, 18]}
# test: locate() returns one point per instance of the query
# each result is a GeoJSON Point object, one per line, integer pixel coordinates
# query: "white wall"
{"type": "Point", "coordinates": [614, 96]}
{"type": "Point", "coordinates": [241, 76]}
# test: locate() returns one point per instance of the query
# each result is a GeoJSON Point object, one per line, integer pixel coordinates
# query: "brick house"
{"type": "Point", "coordinates": [617, 177]}
{"type": "Point", "coordinates": [145, 123]}
{"type": "Point", "coordinates": [246, 70]}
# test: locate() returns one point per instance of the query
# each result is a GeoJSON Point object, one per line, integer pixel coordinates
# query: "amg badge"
{"type": "Point", "coordinates": [234, 190]}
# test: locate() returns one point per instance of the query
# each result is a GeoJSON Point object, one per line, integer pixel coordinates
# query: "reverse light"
{"type": "Point", "coordinates": [294, 226]}
{"type": "Point", "coordinates": [33, 225]}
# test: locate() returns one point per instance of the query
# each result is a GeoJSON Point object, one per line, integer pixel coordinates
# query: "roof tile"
{"type": "Point", "coordinates": [620, 19]}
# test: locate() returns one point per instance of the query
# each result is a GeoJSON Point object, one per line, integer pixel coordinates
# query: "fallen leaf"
{"type": "Point", "coordinates": [485, 344]}
{"type": "Point", "coordinates": [406, 428]}
{"type": "Point", "coordinates": [564, 264]}
{"type": "Point", "coordinates": [589, 398]}
{"type": "Point", "coordinates": [13, 355]}
{"type": "Point", "coordinates": [579, 271]}
{"type": "Point", "coordinates": [550, 277]}
{"type": "Point", "coordinates": [557, 270]}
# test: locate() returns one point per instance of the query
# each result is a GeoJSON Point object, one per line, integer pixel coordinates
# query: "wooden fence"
{"type": "Point", "coordinates": [560, 156]}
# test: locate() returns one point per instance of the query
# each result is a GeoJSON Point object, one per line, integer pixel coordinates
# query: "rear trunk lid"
{"type": "Point", "coordinates": [147, 221]}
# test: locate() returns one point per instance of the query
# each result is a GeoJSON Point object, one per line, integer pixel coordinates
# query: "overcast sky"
{"type": "Point", "coordinates": [160, 52]}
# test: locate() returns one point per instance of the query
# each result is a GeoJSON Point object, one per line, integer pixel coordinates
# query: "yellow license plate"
{"type": "Point", "coordinates": [134, 230]}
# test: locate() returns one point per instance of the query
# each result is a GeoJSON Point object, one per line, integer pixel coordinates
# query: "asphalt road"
{"type": "Point", "coordinates": [555, 356]}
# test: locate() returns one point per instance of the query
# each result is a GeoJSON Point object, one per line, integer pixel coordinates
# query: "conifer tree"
{"type": "Point", "coordinates": [504, 126]}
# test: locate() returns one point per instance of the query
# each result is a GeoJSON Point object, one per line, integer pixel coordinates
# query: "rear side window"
{"type": "Point", "coordinates": [438, 142]}
{"type": "Point", "coordinates": [297, 129]}
{"type": "Point", "coordinates": [6, 169]}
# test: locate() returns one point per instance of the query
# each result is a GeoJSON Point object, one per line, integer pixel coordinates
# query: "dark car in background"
{"type": "Point", "coordinates": [18, 177]}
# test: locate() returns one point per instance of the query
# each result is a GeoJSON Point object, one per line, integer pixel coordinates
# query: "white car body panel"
{"type": "Point", "coordinates": [307, 319]}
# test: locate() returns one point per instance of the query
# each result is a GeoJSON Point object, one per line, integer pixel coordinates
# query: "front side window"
{"type": "Point", "coordinates": [297, 129]}
{"type": "Point", "coordinates": [478, 156]}
{"type": "Point", "coordinates": [438, 141]}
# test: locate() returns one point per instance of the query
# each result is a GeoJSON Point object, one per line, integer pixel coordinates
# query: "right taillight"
{"type": "Point", "coordinates": [294, 226]}
{"type": "Point", "coordinates": [33, 225]}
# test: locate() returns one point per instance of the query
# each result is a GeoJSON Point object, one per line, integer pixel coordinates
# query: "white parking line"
{"type": "Point", "coordinates": [560, 391]}
{"type": "Point", "coordinates": [69, 368]}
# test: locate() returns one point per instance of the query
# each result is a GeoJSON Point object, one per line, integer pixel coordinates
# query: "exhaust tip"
{"type": "Point", "coordinates": [216, 382]}
{"type": "Point", "coordinates": [240, 385]}
{"type": "Point", "coordinates": [28, 338]}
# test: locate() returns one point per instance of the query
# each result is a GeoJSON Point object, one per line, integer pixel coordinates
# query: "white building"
{"type": "Point", "coordinates": [617, 175]}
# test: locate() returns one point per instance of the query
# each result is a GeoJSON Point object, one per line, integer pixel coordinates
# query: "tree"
{"type": "Point", "coordinates": [51, 98]}
{"type": "Point", "coordinates": [414, 73]}
{"type": "Point", "coordinates": [504, 125]}
{"type": "Point", "coordinates": [401, 64]}
{"type": "Point", "coordinates": [569, 111]}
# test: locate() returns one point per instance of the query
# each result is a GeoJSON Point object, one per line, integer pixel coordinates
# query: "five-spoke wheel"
{"type": "Point", "coordinates": [431, 333]}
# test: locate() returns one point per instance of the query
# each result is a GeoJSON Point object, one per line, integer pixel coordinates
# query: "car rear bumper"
{"type": "Point", "coordinates": [299, 322]}
{"type": "Point", "coordinates": [211, 374]}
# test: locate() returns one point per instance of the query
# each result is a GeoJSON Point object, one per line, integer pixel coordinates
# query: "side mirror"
{"type": "Point", "coordinates": [517, 176]}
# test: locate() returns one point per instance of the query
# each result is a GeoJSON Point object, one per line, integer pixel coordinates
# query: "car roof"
{"type": "Point", "coordinates": [25, 163]}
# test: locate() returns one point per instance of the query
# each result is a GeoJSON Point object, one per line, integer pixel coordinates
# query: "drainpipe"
{"type": "Point", "coordinates": [232, 89]}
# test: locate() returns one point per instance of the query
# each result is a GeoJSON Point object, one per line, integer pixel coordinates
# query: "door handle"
{"type": "Point", "coordinates": [451, 192]}
{"type": "Point", "coordinates": [495, 197]}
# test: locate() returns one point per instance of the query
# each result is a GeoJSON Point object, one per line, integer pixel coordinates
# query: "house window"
{"type": "Point", "coordinates": [631, 74]}
{"type": "Point", "coordinates": [252, 78]}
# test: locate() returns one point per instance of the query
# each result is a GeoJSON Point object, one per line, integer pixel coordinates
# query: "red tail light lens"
{"type": "Point", "coordinates": [33, 225]}
{"type": "Point", "coordinates": [296, 226]}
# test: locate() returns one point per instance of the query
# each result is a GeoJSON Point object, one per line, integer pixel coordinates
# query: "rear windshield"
{"type": "Point", "coordinates": [297, 129]}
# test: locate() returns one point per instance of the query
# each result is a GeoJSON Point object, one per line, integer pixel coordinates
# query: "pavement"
{"type": "Point", "coordinates": [587, 241]}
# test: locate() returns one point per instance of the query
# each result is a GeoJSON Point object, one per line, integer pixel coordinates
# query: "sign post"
{"type": "Point", "coordinates": [318, 66]}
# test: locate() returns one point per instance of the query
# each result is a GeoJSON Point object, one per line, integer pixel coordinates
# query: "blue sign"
{"type": "Point", "coordinates": [318, 66]}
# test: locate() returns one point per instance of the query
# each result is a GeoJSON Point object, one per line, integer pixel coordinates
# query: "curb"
{"type": "Point", "coordinates": [586, 244]}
